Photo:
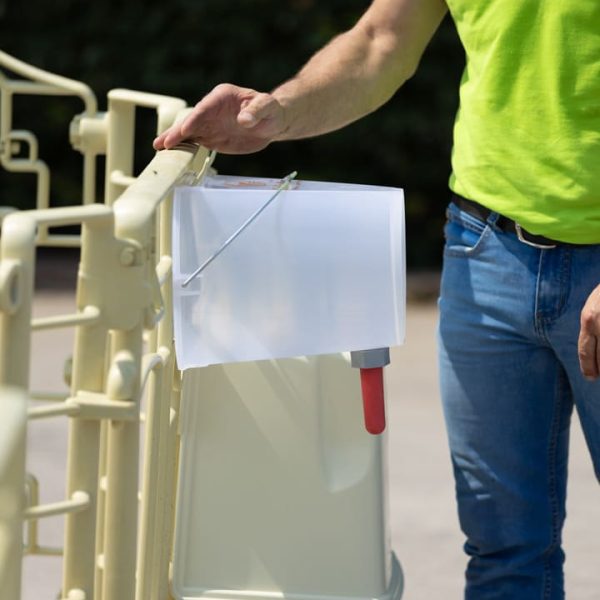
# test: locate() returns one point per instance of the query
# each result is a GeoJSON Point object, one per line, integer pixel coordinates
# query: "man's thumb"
{"type": "Point", "coordinates": [255, 111]}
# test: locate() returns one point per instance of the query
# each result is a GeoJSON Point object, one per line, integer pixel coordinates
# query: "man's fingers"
{"type": "Point", "coordinates": [204, 114]}
{"type": "Point", "coordinates": [588, 346]}
{"type": "Point", "coordinates": [588, 354]}
{"type": "Point", "coordinates": [172, 137]}
{"type": "Point", "coordinates": [158, 143]}
{"type": "Point", "coordinates": [191, 127]}
{"type": "Point", "coordinates": [169, 138]}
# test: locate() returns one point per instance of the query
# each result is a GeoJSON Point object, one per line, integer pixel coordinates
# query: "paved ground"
{"type": "Point", "coordinates": [424, 528]}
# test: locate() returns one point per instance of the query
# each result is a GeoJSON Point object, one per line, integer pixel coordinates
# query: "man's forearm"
{"type": "Point", "coordinates": [359, 70]}
{"type": "Point", "coordinates": [344, 81]}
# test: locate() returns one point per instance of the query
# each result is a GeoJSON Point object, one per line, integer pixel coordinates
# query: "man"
{"type": "Point", "coordinates": [522, 255]}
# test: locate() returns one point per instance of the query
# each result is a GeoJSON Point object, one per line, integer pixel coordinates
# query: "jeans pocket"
{"type": "Point", "coordinates": [464, 234]}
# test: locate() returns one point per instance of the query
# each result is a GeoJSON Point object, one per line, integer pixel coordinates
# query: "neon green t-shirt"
{"type": "Point", "coordinates": [527, 133]}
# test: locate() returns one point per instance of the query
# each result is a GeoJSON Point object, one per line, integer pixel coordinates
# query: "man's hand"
{"type": "Point", "coordinates": [230, 120]}
{"type": "Point", "coordinates": [589, 336]}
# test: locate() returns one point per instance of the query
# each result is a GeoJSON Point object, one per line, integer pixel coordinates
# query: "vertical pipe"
{"type": "Point", "coordinates": [82, 464]}
{"type": "Point", "coordinates": [120, 144]}
{"type": "Point", "coordinates": [42, 195]}
{"type": "Point", "coordinates": [170, 399]}
{"type": "Point", "coordinates": [5, 122]}
{"type": "Point", "coordinates": [165, 327]}
{"type": "Point", "coordinates": [151, 485]}
{"type": "Point", "coordinates": [151, 532]}
{"type": "Point", "coordinates": [172, 395]}
{"type": "Point", "coordinates": [13, 407]}
{"type": "Point", "coordinates": [167, 451]}
{"type": "Point", "coordinates": [119, 157]}
{"type": "Point", "coordinates": [18, 250]}
{"type": "Point", "coordinates": [122, 462]}
{"type": "Point", "coordinates": [89, 359]}
{"type": "Point", "coordinates": [171, 483]}
{"type": "Point", "coordinates": [89, 177]}
{"type": "Point", "coordinates": [100, 510]}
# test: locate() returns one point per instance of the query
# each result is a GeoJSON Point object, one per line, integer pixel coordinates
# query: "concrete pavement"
{"type": "Point", "coordinates": [425, 533]}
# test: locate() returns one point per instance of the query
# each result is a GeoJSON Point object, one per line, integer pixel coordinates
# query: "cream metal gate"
{"type": "Point", "coordinates": [118, 540]}
{"type": "Point", "coordinates": [123, 298]}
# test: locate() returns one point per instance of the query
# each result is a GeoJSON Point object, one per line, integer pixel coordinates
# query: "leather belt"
{"type": "Point", "coordinates": [505, 224]}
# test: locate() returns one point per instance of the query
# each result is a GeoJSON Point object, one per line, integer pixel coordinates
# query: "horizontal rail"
{"type": "Point", "coordinates": [42, 551]}
{"type": "Point", "coordinates": [16, 223]}
{"type": "Point", "coordinates": [145, 99]}
{"type": "Point", "coordinates": [26, 165]}
{"type": "Point", "coordinates": [71, 215]}
{"type": "Point", "coordinates": [18, 135]}
{"type": "Point", "coordinates": [52, 80]}
{"type": "Point", "coordinates": [48, 396]}
{"type": "Point", "coordinates": [59, 409]}
{"type": "Point", "coordinates": [59, 241]}
{"type": "Point", "coordinates": [79, 501]}
{"type": "Point", "coordinates": [87, 405]}
{"type": "Point", "coordinates": [88, 316]}
{"type": "Point", "coordinates": [18, 86]}
{"type": "Point", "coordinates": [119, 178]}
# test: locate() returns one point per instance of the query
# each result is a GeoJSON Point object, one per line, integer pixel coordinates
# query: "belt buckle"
{"type": "Point", "coordinates": [521, 237]}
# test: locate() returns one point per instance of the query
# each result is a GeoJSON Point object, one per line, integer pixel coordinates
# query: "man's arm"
{"type": "Point", "coordinates": [589, 336]}
{"type": "Point", "coordinates": [354, 74]}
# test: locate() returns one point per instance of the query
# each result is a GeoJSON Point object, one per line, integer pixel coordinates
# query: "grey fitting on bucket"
{"type": "Point", "coordinates": [370, 359]}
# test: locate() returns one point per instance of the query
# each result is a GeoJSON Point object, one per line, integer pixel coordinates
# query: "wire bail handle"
{"type": "Point", "coordinates": [285, 183]}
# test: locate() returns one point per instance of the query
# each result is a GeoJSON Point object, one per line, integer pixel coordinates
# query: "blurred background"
{"type": "Point", "coordinates": [186, 47]}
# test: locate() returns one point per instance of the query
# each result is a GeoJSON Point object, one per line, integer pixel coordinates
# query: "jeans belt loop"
{"type": "Point", "coordinates": [492, 220]}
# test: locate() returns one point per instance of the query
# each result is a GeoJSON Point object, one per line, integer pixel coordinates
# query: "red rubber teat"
{"type": "Point", "coordinates": [371, 382]}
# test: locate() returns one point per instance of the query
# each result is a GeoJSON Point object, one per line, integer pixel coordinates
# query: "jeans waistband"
{"type": "Point", "coordinates": [505, 224]}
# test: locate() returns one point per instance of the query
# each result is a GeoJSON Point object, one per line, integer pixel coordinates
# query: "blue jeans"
{"type": "Point", "coordinates": [509, 323]}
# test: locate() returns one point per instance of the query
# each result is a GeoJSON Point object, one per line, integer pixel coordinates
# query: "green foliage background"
{"type": "Point", "coordinates": [185, 47]}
